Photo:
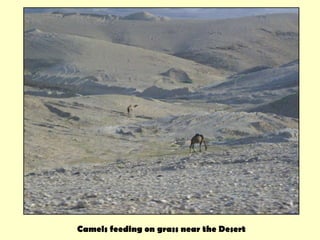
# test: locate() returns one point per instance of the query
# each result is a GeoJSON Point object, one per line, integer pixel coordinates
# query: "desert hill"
{"type": "Point", "coordinates": [71, 61]}
{"type": "Point", "coordinates": [256, 86]}
{"type": "Point", "coordinates": [77, 51]}
{"type": "Point", "coordinates": [231, 44]}
{"type": "Point", "coordinates": [144, 16]}
{"type": "Point", "coordinates": [287, 106]}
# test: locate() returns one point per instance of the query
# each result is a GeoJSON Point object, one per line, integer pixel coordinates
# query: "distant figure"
{"type": "Point", "coordinates": [198, 138]}
{"type": "Point", "coordinates": [130, 108]}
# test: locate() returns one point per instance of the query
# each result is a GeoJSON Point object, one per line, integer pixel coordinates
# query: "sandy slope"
{"type": "Point", "coordinates": [233, 44]}
{"type": "Point", "coordinates": [61, 59]}
{"type": "Point", "coordinates": [87, 54]}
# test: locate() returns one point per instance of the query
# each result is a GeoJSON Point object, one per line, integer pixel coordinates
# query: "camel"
{"type": "Point", "coordinates": [130, 108]}
{"type": "Point", "coordinates": [198, 138]}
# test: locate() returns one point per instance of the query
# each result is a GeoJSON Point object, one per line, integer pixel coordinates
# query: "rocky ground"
{"type": "Point", "coordinates": [257, 178]}
{"type": "Point", "coordinates": [85, 156]}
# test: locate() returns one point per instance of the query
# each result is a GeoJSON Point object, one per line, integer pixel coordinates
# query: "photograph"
{"type": "Point", "coordinates": [161, 111]}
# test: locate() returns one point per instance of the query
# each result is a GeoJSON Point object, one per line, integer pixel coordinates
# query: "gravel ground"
{"type": "Point", "coordinates": [256, 178]}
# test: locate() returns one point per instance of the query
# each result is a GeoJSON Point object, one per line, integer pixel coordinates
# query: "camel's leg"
{"type": "Point", "coordinates": [192, 146]}
{"type": "Point", "coordinates": [205, 145]}
{"type": "Point", "coordinates": [200, 146]}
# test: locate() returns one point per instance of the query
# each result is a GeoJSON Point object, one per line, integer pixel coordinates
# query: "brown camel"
{"type": "Point", "coordinates": [198, 138]}
{"type": "Point", "coordinates": [130, 108]}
